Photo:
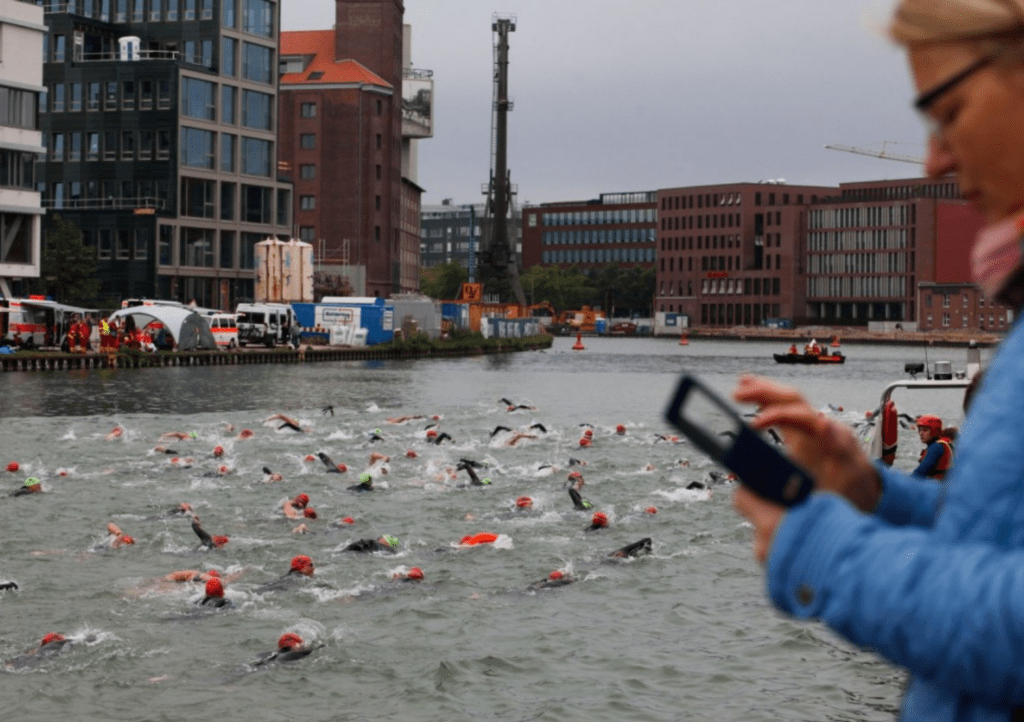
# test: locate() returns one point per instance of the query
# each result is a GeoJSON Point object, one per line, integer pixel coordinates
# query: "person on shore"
{"type": "Point", "coordinates": [31, 485]}
{"type": "Point", "coordinates": [937, 456]}
{"type": "Point", "coordinates": [301, 567]}
{"type": "Point", "coordinates": [386, 543]}
{"type": "Point", "coordinates": [927, 575]}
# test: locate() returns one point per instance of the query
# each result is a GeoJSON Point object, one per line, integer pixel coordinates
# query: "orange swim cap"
{"type": "Point", "coordinates": [301, 562]}
{"type": "Point", "coordinates": [342, 468]}
{"type": "Point", "coordinates": [415, 573]}
{"type": "Point", "coordinates": [219, 540]}
{"type": "Point", "coordinates": [52, 637]}
{"type": "Point", "coordinates": [584, 441]}
{"type": "Point", "coordinates": [651, 510]}
{"type": "Point", "coordinates": [301, 499]}
{"type": "Point", "coordinates": [431, 434]}
{"type": "Point", "coordinates": [483, 537]}
{"type": "Point", "coordinates": [556, 575]}
{"type": "Point", "coordinates": [13, 466]}
{"type": "Point", "coordinates": [289, 641]}
{"type": "Point", "coordinates": [309, 512]}
{"type": "Point", "coordinates": [127, 539]}
{"type": "Point", "coordinates": [309, 457]}
{"type": "Point", "coordinates": [214, 588]}
{"type": "Point", "coordinates": [411, 454]}
{"type": "Point", "coordinates": [599, 519]}
{"type": "Point", "coordinates": [524, 502]}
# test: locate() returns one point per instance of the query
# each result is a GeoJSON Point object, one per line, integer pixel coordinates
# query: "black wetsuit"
{"type": "Point", "coordinates": [291, 425]}
{"type": "Point", "coordinates": [204, 536]}
{"type": "Point", "coordinates": [595, 526]}
{"type": "Point", "coordinates": [8, 585]}
{"type": "Point", "coordinates": [578, 502]}
{"type": "Point", "coordinates": [327, 409]}
{"type": "Point", "coordinates": [283, 656]}
{"type": "Point", "coordinates": [38, 656]}
{"type": "Point", "coordinates": [441, 437]}
{"type": "Point", "coordinates": [633, 550]}
{"type": "Point", "coordinates": [22, 491]}
{"type": "Point", "coordinates": [551, 583]}
{"type": "Point", "coordinates": [575, 462]}
{"type": "Point", "coordinates": [463, 463]}
{"type": "Point", "coordinates": [376, 437]}
{"type": "Point", "coordinates": [369, 545]}
{"type": "Point", "coordinates": [216, 602]}
{"type": "Point", "coordinates": [474, 480]}
{"type": "Point", "coordinates": [366, 486]}
{"type": "Point", "coordinates": [332, 468]}
{"type": "Point", "coordinates": [289, 580]}
{"type": "Point", "coordinates": [540, 427]}
{"type": "Point", "coordinates": [499, 428]}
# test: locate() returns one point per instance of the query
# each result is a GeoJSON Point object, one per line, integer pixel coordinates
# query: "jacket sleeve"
{"type": "Point", "coordinates": [952, 613]}
{"type": "Point", "coordinates": [908, 500]}
{"type": "Point", "coordinates": [930, 459]}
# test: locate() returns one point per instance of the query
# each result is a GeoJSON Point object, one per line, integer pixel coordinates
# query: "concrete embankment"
{"type": "Point", "coordinates": [55, 361]}
{"type": "Point", "coordinates": [825, 334]}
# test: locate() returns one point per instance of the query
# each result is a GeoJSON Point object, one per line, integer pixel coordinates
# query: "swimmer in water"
{"type": "Point", "coordinates": [557, 578]}
{"type": "Point", "coordinates": [180, 510]}
{"type": "Point", "coordinates": [32, 485]}
{"type": "Point", "coordinates": [163, 450]}
{"type": "Point", "coordinates": [52, 644]}
{"type": "Point", "coordinates": [332, 468]}
{"type": "Point", "coordinates": [443, 436]}
{"type": "Point", "coordinates": [375, 436]}
{"type": "Point", "coordinates": [218, 451]}
{"type": "Point", "coordinates": [244, 434]}
{"type": "Point", "coordinates": [290, 647]}
{"type": "Point", "coordinates": [4, 586]}
{"type": "Point", "coordinates": [620, 430]}
{"type": "Point", "coordinates": [631, 551]}
{"type": "Point", "coordinates": [474, 479]}
{"type": "Point", "coordinates": [180, 435]}
{"type": "Point", "coordinates": [301, 566]}
{"type": "Point", "coordinates": [293, 508]}
{"type": "Point", "coordinates": [207, 541]}
{"type": "Point", "coordinates": [386, 543]}
{"type": "Point", "coordinates": [190, 575]}
{"type": "Point", "coordinates": [215, 596]}
{"type": "Point", "coordinates": [576, 462]}
{"type": "Point", "coordinates": [365, 483]}
{"type": "Point", "coordinates": [598, 521]}
{"type": "Point", "coordinates": [376, 456]}
{"type": "Point", "coordinates": [116, 433]}
{"type": "Point", "coordinates": [403, 419]}
{"type": "Point", "coordinates": [578, 502]}
{"type": "Point", "coordinates": [271, 476]}
{"type": "Point", "coordinates": [288, 422]}
{"type": "Point", "coordinates": [117, 538]}
{"type": "Point", "coordinates": [413, 575]}
{"type": "Point", "coordinates": [327, 410]}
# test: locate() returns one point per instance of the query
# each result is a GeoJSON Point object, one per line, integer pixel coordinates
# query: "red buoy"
{"type": "Point", "coordinates": [578, 346]}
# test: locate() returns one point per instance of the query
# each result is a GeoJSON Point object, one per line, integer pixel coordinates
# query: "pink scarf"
{"type": "Point", "coordinates": [996, 256]}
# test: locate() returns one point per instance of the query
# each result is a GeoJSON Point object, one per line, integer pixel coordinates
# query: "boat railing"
{"type": "Point", "coordinates": [875, 443]}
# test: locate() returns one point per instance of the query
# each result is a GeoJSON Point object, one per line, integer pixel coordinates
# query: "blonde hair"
{"type": "Point", "coordinates": [927, 21]}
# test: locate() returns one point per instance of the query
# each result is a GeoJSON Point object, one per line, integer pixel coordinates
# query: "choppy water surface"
{"type": "Point", "coordinates": [684, 633]}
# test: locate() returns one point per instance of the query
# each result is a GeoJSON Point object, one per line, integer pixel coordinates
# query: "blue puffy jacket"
{"type": "Point", "coordinates": [934, 580]}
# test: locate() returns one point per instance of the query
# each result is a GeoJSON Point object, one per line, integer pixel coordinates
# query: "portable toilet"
{"type": "Point", "coordinates": [130, 45]}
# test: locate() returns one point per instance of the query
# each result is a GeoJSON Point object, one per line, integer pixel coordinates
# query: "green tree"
{"type": "Point", "coordinates": [443, 282]}
{"type": "Point", "coordinates": [68, 268]}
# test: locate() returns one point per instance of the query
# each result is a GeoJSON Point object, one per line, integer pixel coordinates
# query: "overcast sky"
{"type": "Point", "coordinates": [615, 96]}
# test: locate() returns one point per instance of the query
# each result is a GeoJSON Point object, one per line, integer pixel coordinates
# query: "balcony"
{"type": "Point", "coordinates": [142, 205]}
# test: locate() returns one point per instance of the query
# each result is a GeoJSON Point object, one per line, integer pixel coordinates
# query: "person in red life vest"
{"type": "Point", "coordinates": [792, 349]}
{"type": "Point", "coordinates": [937, 456]}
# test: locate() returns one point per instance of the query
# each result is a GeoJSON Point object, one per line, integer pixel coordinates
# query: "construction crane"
{"type": "Point", "coordinates": [498, 267]}
{"type": "Point", "coordinates": [883, 153]}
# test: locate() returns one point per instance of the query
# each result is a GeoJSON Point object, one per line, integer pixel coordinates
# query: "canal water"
{"type": "Point", "coordinates": [684, 633]}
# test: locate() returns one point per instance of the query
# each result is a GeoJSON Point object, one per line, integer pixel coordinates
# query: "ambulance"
{"type": "Point", "coordinates": [224, 327]}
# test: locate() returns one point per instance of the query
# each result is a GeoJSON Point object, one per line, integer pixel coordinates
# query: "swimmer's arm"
{"type": "Point", "coordinates": [203, 535]}
{"type": "Point", "coordinates": [182, 575]}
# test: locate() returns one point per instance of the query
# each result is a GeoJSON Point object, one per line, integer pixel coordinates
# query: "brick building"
{"type": "Point", "coordinates": [617, 228]}
{"type": "Point", "coordinates": [351, 112]}
{"type": "Point", "coordinates": [733, 254]}
{"type": "Point", "coordinates": [960, 306]}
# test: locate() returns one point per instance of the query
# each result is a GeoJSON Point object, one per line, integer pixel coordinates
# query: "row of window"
{"type": "Point", "coordinates": [18, 108]}
{"type": "Point", "coordinates": [993, 320]}
{"type": "Point", "coordinates": [741, 286]}
{"type": "Point", "coordinates": [199, 149]}
{"type": "Point", "coordinates": [199, 101]}
{"type": "Point", "coordinates": [611, 235]}
{"type": "Point", "coordinates": [110, 145]}
{"type": "Point", "coordinates": [598, 218]}
{"type": "Point", "coordinates": [859, 263]}
{"type": "Point", "coordinates": [120, 243]}
{"type": "Point", "coordinates": [16, 169]}
{"type": "Point", "coordinates": [207, 248]}
{"type": "Point", "coordinates": [716, 220]}
{"type": "Point", "coordinates": [257, 15]}
{"type": "Point", "coordinates": [877, 239]}
{"type": "Point", "coordinates": [201, 198]}
{"type": "Point", "coordinates": [964, 303]}
{"type": "Point", "coordinates": [713, 200]}
{"type": "Point", "coordinates": [106, 193]}
{"type": "Point", "coordinates": [899, 215]}
{"type": "Point", "coordinates": [686, 243]}
{"type": "Point", "coordinates": [113, 95]}
{"type": "Point", "coordinates": [860, 287]}
{"type": "Point", "coordinates": [729, 314]}
{"type": "Point", "coordinates": [599, 255]}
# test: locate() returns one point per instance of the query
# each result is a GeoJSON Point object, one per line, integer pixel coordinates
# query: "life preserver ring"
{"type": "Point", "coordinates": [890, 432]}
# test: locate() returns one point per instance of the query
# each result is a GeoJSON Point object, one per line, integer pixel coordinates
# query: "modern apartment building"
{"type": "Point", "coordinates": [352, 111]}
{"type": "Point", "coordinates": [21, 85]}
{"type": "Point", "coordinates": [160, 123]}
{"type": "Point", "coordinates": [615, 229]}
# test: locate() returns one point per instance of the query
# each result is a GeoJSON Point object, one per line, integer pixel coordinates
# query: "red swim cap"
{"type": "Point", "coordinates": [309, 512]}
{"type": "Point", "coordinates": [588, 433]}
{"type": "Point", "coordinates": [415, 573]}
{"type": "Point", "coordinates": [222, 469]}
{"type": "Point", "coordinates": [651, 510]}
{"type": "Point", "coordinates": [13, 466]}
{"type": "Point", "coordinates": [218, 450]}
{"type": "Point", "coordinates": [584, 441]}
{"type": "Point", "coordinates": [245, 433]}
{"type": "Point", "coordinates": [348, 520]}
{"type": "Point", "coordinates": [555, 575]}
{"type": "Point", "coordinates": [301, 499]}
{"type": "Point", "coordinates": [620, 429]}
{"type": "Point", "coordinates": [510, 408]}
{"type": "Point", "coordinates": [301, 562]}
{"type": "Point", "coordinates": [214, 588]}
{"type": "Point", "coordinates": [219, 540]}
{"type": "Point", "coordinates": [431, 434]}
{"type": "Point", "coordinates": [599, 519]}
{"type": "Point", "coordinates": [289, 641]}
{"type": "Point", "coordinates": [213, 573]}
{"type": "Point", "coordinates": [524, 502]}
{"type": "Point", "coordinates": [410, 454]}
{"type": "Point", "coordinates": [52, 637]}
{"type": "Point", "coordinates": [309, 457]}
{"type": "Point", "coordinates": [342, 468]}
{"type": "Point", "coordinates": [127, 539]}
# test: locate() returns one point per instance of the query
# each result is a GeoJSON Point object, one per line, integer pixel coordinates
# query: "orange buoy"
{"type": "Point", "coordinates": [835, 342]}
{"type": "Point", "coordinates": [684, 340]}
{"type": "Point", "coordinates": [483, 537]}
{"type": "Point", "coordinates": [890, 432]}
{"type": "Point", "coordinates": [578, 346]}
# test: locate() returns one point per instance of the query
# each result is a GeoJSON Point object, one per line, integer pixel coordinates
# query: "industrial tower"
{"type": "Point", "coordinates": [499, 270]}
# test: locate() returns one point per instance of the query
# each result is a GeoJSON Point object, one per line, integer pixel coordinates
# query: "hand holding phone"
{"type": "Point", "coordinates": [756, 463]}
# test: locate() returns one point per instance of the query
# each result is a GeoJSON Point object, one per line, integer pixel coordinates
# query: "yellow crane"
{"type": "Point", "coordinates": [883, 153]}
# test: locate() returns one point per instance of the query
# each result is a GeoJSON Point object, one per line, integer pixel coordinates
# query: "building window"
{"type": "Point", "coordinates": [163, 144]}
{"type": "Point", "coordinates": [227, 249]}
{"type": "Point", "coordinates": [197, 148]}
{"type": "Point", "coordinates": [229, 13]}
{"type": "Point", "coordinates": [92, 146]}
{"type": "Point", "coordinates": [257, 204]}
{"type": "Point", "coordinates": [127, 144]}
{"type": "Point", "coordinates": [198, 99]}
{"type": "Point", "coordinates": [93, 99]}
{"type": "Point", "coordinates": [258, 17]}
{"type": "Point", "coordinates": [307, 141]}
{"type": "Point", "coordinates": [308, 110]}
{"type": "Point", "coordinates": [110, 145]}
{"type": "Point", "coordinates": [379, 138]}
{"type": "Point", "coordinates": [257, 61]}
{"type": "Point", "coordinates": [190, 9]}
{"type": "Point", "coordinates": [127, 95]}
{"type": "Point", "coordinates": [59, 48]}
{"type": "Point", "coordinates": [58, 98]}
{"type": "Point", "coordinates": [76, 97]}
{"type": "Point", "coordinates": [307, 234]}
{"type": "Point", "coordinates": [163, 100]}
{"type": "Point", "coordinates": [197, 198]}
{"type": "Point", "coordinates": [124, 244]}
{"type": "Point", "coordinates": [307, 172]}
{"type": "Point", "coordinates": [145, 95]}
{"type": "Point", "coordinates": [228, 93]}
{"type": "Point", "coordinates": [155, 11]}
{"type": "Point", "coordinates": [145, 144]}
{"type": "Point", "coordinates": [172, 15]}
{"type": "Point", "coordinates": [945, 320]}
{"type": "Point", "coordinates": [228, 191]}
{"type": "Point", "coordinates": [196, 247]}
{"type": "Point", "coordinates": [257, 110]}
{"type": "Point", "coordinates": [105, 245]}
{"type": "Point", "coordinates": [229, 50]}
{"type": "Point", "coordinates": [110, 96]}
{"type": "Point", "coordinates": [228, 146]}
{"type": "Point", "coordinates": [57, 147]}
{"type": "Point", "coordinates": [141, 244]}
{"type": "Point", "coordinates": [307, 203]}
{"type": "Point", "coordinates": [945, 302]}
{"type": "Point", "coordinates": [207, 9]}
{"type": "Point", "coordinates": [256, 156]}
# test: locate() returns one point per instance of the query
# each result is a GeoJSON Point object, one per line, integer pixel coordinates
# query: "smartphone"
{"type": "Point", "coordinates": [699, 413]}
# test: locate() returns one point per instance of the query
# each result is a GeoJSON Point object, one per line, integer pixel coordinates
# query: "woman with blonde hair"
{"type": "Point", "coordinates": [930, 576]}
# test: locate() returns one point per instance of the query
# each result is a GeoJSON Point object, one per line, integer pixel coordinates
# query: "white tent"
{"type": "Point", "coordinates": [188, 328]}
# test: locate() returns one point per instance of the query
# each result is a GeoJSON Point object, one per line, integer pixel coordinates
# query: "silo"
{"type": "Point", "coordinates": [269, 286]}
{"type": "Point", "coordinates": [297, 271]}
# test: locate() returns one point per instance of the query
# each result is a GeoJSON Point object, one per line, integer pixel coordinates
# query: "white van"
{"type": "Point", "coordinates": [266, 323]}
{"type": "Point", "coordinates": [224, 327]}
